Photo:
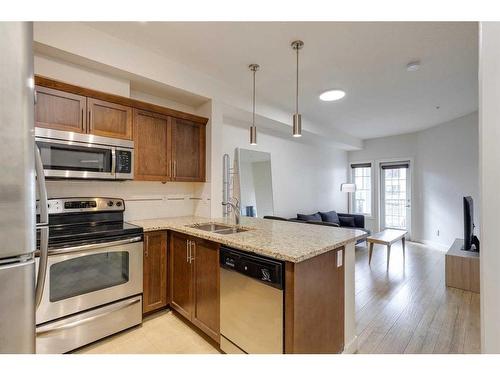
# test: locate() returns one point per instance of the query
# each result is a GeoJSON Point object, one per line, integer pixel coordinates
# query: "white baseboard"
{"type": "Point", "coordinates": [433, 244]}
{"type": "Point", "coordinates": [352, 346]}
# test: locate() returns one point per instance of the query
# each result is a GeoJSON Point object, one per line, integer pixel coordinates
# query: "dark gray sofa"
{"type": "Point", "coordinates": [353, 221]}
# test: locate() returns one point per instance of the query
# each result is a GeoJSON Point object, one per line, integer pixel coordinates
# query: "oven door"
{"type": "Point", "coordinates": [88, 276]}
{"type": "Point", "coordinates": [69, 159]}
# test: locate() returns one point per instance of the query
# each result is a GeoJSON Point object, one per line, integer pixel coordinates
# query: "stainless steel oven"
{"type": "Point", "coordinates": [91, 275]}
{"type": "Point", "coordinates": [84, 156]}
{"type": "Point", "coordinates": [86, 276]}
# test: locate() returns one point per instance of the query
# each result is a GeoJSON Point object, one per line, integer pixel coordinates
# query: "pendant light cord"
{"type": "Point", "coordinates": [253, 113]}
{"type": "Point", "coordinates": [297, 85]}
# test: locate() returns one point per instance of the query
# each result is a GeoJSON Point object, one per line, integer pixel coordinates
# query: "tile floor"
{"type": "Point", "coordinates": [161, 333]}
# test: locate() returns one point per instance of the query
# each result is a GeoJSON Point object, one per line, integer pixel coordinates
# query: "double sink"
{"type": "Point", "coordinates": [218, 228]}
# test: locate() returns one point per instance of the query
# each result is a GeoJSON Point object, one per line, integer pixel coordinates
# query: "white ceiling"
{"type": "Point", "coordinates": [366, 59]}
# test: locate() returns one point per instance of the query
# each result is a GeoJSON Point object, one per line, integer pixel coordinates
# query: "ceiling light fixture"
{"type": "Point", "coordinates": [332, 95]}
{"type": "Point", "coordinates": [297, 117]}
{"type": "Point", "coordinates": [413, 66]}
{"type": "Point", "coordinates": [253, 128]}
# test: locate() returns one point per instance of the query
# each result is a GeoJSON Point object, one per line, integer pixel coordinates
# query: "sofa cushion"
{"type": "Point", "coordinates": [311, 217]}
{"type": "Point", "coordinates": [330, 217]}
{"type": "Point", "coordinates": [347, 222]}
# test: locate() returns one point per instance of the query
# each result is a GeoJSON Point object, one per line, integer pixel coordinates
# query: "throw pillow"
{"type": "Point", "coordinates": [346, 221]}
{"type": "Point", "coordinates": [330, 217]}
{"type": "Point", "coordinates": [312, 217]}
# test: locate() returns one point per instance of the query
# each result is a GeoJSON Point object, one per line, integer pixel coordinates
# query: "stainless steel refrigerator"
{"type": "Point", "coordinates": [18, 179]}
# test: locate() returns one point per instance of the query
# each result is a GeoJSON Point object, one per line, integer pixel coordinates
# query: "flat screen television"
{"type": "Point", "coordinates": [471, 242]}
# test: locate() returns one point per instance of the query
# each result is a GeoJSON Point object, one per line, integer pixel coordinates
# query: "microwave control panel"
{"type": "Point", "coordinates": [123, 161]}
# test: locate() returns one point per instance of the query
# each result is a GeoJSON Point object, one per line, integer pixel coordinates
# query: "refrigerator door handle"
{"type": "Point", "coordinates": [42, 189]}
{"type": "Point", "coordinates": [42, 265]}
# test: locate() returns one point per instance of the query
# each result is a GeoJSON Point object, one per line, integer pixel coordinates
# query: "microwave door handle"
{"type": "Point", "coordinates": [113, 161]}
{"type": "Point", "coordinates": [42, 265]}
{"type": "Point", "coordinates": [42, 189]}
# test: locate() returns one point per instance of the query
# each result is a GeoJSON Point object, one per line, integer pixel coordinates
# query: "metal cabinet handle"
{"type": "Point", "coordinates": [193, 246]}
{"type": "Point", "coordinates": [81, 120]}
{"type": "Point", "coordinates": [187, 251]}
{"type": "Point", "coordinates": [89, 127]}
{"type": "Point", "coordinates": [175, 168]}
{"type": "Point", "coordinates": [146, 248]}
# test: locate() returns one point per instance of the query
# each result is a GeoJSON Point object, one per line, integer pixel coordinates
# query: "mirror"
{"type": "Point", "coordinates": [255, 182]}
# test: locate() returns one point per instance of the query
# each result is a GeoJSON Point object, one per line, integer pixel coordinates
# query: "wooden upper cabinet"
{"type": "Point", "coordinates": [155, 271]}
{"type": "Point", "coordinates": [60, 110]}
{"type": "Point", "coordinates": [188, 150]}
{"type": "Point", "coordinates": [109, 119]}
{"type": "Point", "coordinates": [180, 275]}
{"type": "Point", "coordinates": [151, 146]}
{"type": "Point", "coordinates": [206, 287]}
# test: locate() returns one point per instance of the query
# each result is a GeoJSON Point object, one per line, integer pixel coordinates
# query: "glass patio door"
{"type": "Point", "coordinates": [395, 196]}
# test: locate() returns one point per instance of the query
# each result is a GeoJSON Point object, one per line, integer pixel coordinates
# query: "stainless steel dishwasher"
{"type": "Point", "coordinates": [251, 303]}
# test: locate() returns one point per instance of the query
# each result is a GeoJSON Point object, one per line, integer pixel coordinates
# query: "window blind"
{"type": "Point", "coordinates": [361, 165]}
{"type": "Point", "coordinates": [395, 166]}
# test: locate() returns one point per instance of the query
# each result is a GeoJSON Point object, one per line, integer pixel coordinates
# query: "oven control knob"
{"type": "Point", "coordinates": [118, 204]}
{"type": "Point", "coordinates": [110, 203]}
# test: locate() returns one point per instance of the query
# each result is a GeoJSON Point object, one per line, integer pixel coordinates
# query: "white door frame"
{"type": "Point", "coordinates": [412, 190]}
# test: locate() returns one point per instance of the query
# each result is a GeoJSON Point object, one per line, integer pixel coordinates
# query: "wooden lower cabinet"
{"type": "Point", "coordinates": [206, 287]}
{"type": "Point", "coordinates": [181, 288]}
{"type": "Point", "coordinates": [154, 271]}
{"type": "Point", "coordinates": [194, 281]}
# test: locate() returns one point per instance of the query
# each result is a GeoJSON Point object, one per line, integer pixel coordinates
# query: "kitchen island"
{"type": "Point", "coordinates": [319, 274]}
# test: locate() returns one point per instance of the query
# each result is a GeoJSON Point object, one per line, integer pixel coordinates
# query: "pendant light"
{"type": "Point", "coordinates": [297, 117]}
{"type": "Point", "coordinates": [253, 128]}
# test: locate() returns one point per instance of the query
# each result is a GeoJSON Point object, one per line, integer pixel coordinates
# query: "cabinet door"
{"type": "Point", "coordinates": [60, 110]}
{"type": "Point", "coordinates": [188, 150]}
{"type": "Point", "coordinates": [151, 146]}
{"type": "Point", "coordinates": [109, 119]}
{"type": "Point", "coordinates": [180, 275]}
{"type": "Point", "coordinates": [206, 287]}
{"type": "Point", "coordinates": [155, 271]}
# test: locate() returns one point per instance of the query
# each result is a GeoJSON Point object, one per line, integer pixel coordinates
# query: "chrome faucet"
{"type": "Point", "coordinates": [235, 207]}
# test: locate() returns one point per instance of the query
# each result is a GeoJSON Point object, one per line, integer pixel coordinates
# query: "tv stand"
{"type": "Point", "coordinates": [462, 267]}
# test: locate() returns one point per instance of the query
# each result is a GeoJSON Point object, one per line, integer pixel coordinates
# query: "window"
{"type": "Point", "coordinates": [395, 199]}
{"type": "Point", "coordinates": [362, 197]}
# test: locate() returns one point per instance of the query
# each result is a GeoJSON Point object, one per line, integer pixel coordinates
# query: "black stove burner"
{"type": "Point", "coordinates": [71, 229]}
{"type": "Point", "coordinates": [69, 234]}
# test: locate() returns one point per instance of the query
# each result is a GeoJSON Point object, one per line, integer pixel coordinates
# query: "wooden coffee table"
{"type": "Point", "coordinates": [387, 237]}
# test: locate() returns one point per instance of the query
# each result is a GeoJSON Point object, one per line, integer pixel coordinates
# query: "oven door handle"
{"type": "Point", "coordinates": [93, 246]}
{"type": "Point", "coordinates": [51, 328]}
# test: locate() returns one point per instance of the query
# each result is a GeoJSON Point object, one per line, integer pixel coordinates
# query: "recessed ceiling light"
{"type": "Point", "coordinates": [332, 95]}
{"type": "Point", "coordinates": [413, 66]}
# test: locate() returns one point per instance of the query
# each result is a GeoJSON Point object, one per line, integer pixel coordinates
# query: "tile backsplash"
{"type": "Point", "coordinates": [143, 200]}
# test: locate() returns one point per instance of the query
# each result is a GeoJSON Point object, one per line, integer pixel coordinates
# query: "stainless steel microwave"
{"type": "Point", "coordinates": [71, 155]}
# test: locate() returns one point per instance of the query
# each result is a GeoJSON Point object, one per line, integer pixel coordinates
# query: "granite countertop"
{"type": "Point", "coordinates": [289, 241]}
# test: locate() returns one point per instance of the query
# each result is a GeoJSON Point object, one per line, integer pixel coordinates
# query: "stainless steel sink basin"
{"type": "Point", "coordinates": [218, 228]}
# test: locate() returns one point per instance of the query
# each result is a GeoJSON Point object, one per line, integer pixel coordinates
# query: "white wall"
{"type": "Point", "coordinates": [445, 168]}
{"type": "Point", "coordinates": [305, 178]}
{"type": "Point", "coordinates": [489, 129]}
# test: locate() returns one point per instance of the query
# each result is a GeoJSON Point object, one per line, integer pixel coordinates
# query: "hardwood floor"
{"type": "Point", "coordinates": [408, 309]}
{"type": "Point", "coordinates": [402, 310]}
